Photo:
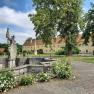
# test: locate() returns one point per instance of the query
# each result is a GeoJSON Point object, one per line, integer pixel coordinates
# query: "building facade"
{"type": "Point", "coordinates": [57, 44]}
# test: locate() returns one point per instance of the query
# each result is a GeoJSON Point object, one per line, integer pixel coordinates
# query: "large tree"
{"type": "Point", "coordinates": [89, 29]}
{"type": "Point", "coordinates": [70, 13]}
{"type": "Point", "coordinates": [54, 16]}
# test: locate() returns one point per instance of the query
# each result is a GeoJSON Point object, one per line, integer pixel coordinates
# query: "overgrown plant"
{"type": "Point", "coordinates": [7, 81]}
{"type": "Point", "coordinates": [27, 80]}
{"type": "Point", "coordinates": [43, 77]}
{"type": "Point", "coordinates": [62, 69]}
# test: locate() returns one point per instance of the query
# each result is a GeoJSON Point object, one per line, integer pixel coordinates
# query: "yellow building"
{"type": "Point", "coordinates": [57, 43]}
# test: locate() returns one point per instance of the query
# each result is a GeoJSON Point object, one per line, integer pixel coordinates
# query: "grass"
{"type": "Point", "coordinates": [88, 59]}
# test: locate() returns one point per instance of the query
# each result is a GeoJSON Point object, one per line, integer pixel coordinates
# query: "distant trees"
{"type": "Point", "coordinates": [89, 29]}
{"type": "Point", "coordinates": [19, 48]}
{"type": "Point", "coordinates": [57, 16]}
{"type": "Point", "coordinates": [5, 46]}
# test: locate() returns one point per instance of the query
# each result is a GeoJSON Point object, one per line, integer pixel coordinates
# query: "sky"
{"type": "Point", "coordinates": [14, 15]}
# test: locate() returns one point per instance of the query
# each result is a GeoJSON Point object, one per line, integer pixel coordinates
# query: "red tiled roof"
{"type": "Point", "coordinates": [2, 50]}
{"type": "Point", "coordinates": [57, 40]}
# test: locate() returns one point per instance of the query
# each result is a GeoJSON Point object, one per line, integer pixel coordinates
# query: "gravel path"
{"type": "Point", "coordinates": [83, 84]}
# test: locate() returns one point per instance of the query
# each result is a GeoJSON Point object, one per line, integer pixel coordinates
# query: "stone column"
{"type": "Point", "coordinates": [35, 50]}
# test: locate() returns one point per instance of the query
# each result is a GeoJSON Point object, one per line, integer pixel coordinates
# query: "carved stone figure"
{"type": "Point", "coordinates": [12, 49]}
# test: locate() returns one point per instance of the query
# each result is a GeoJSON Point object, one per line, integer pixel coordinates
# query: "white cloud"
{"type": "Point", "coordinates": [10, 16]}
{"type": "Point", "coordinates": [18, 19]}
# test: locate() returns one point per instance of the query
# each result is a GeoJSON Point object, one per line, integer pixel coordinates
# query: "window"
{"type": "Point", "coordinates": [86, 51]}
{"type": "Point", "coordinates": [93, 52]}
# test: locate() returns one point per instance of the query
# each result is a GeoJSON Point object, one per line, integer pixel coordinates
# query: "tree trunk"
{"type": "Point", "coordinates": [68, 51]}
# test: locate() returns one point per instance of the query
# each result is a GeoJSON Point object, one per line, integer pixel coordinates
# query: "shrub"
{"type": "Point", "coordinates": [27, 80]}
{"type": "Point", "coordinates": [60, 52]}
{"type": "Point", "coordinates": [43, 77]}
{"type": "Point", "coordinates": [75, 51]}
{"type": "Point", "coordinates": [63, 51]}
{"type": "Point", "coordinates": [40, 51]}
{"type": "Point", "coordinates": [7, 81]}
{"type": "Point", "coordinates": [62, 69]}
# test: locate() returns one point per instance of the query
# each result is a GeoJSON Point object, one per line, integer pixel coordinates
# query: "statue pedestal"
{"type": "Point", "coordinates": [11, 63]}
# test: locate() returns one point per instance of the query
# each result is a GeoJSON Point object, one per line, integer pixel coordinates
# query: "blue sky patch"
{"type": "Point", "coordinates": [14, 14]}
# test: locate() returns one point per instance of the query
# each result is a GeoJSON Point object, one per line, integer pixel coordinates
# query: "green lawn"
{"type": "Point", "coordinates": [88, 59]}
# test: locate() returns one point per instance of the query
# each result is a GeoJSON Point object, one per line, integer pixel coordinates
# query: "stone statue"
{"type": "Point", "coordinates": [12, 49]}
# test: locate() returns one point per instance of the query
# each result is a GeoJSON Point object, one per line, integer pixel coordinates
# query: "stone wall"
{"type": "Point", "coordinates": [27, 65]}
{"type": "Point", "coordinates": [20, 61]}
{"type": "Point", "coordinates": [3, 63]}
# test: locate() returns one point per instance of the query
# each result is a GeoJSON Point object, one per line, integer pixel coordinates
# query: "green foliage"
{"type": "Point", "coordinates": [89, 30]}
{"type": "Point", "coordinates": [19, 48]}
{"type": "Point", "coordinates": [75, 50]}
{"type": "Point", "coordinates": [60, 52]}
{"type": "Point", "coordinates": [24, 53]}
{"type": "Point", "coordinates": [7, 81]}
{"type": "Point", "coordinates": [62, 69]}
{"type": "Point", "coordinates": [27, 52]}
{"type": "Point", "coordinates": [57, 16]}
{"type": "Point", "coordinates": [5, 46]}
{"type": "Point", "coordinates": [40, 51]}
{"type": "Point", "coordinates": [64, 51]}
{"type": "Point", "coordinates": [27, 80]}
{"type": "Point", "coordinates": [43, 77]}
{"type": "Point", "coordinates": [68, 24]}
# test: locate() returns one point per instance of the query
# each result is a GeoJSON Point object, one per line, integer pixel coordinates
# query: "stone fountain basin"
{"type": "Point", "coordinates": [28, 65]}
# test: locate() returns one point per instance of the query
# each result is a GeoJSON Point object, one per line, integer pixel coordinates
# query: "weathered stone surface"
{"type": "Point", "coordinates": [23, 61]}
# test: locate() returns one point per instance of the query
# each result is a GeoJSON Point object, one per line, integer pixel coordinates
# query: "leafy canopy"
{"type": "Point", "coordinates": [54, 16]}
{"type": "Point", "coordinates": [89, 29]}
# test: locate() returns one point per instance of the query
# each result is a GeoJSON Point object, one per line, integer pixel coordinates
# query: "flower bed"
{"type": "Point", "coordinates": [27, 80]}
{"type": "Point", "coordinates": [60, 69]}
{"type": "Point", "coordinates": [7, 81]}
{"type": "Point", "coordinates": [43, 77]}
